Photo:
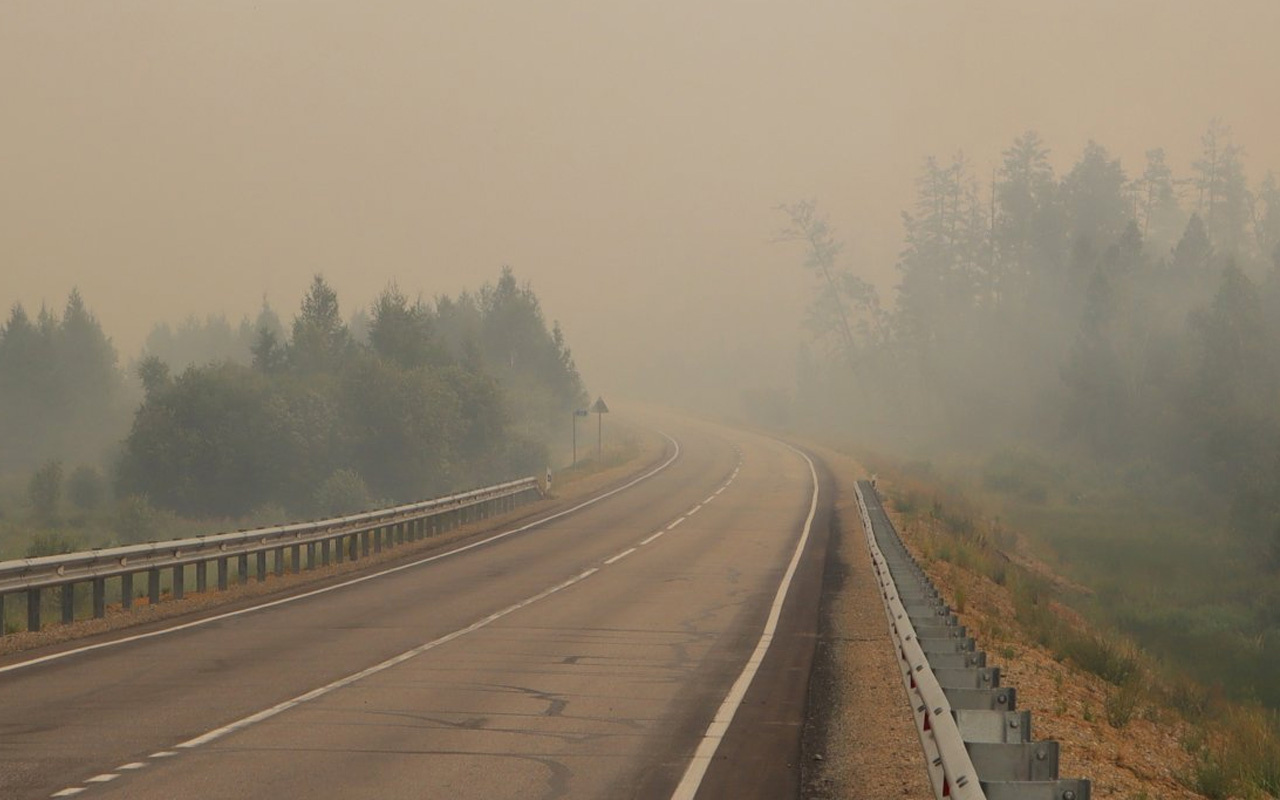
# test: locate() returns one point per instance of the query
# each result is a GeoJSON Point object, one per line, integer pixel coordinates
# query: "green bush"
{"type": "Point", "coordinates": [343, 492]}
{"type": "Point", "coordinates": [52, 543]}
{"type": "Point", "coordinates": [136, 520]}
{"type": "Point", "coordinates": [1121, 704]}
{"type": "Point", "coordinates": [1101, 656]}
{"type": "Point", "coordinates": [86, 488]}
{"type": "Point", "coordinates": [907, 502]}
{"type": "Point", "coordinates": [45, 490]}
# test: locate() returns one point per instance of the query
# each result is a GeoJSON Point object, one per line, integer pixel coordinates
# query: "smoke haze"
{"type": "Point", "coordinates": [177, 158]}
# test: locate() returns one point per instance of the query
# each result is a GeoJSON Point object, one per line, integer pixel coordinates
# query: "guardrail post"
{"type": "Point", "coordinates": [68, 592]}
{"type": "Point", "coordinates": [279, 559]}
{"type": "Point", "coordinates": [99, 598]}
{"type": "Point", "coordinates": [311, 555]}
{"type": "Point", "coordinates": [243, 568]}
{"type": "Point", "coordinates": [377, 539]}
{"type": "Point", "coordinates": [262, 566]}
{"type": "Point", "coordinates": [325, 547]}
{"type": "Point", "coordinates": [3, 629]}
{"type": "Point", "coordinates": [339, 549]}
{"type": "Point", "coordinates": [33, 610]}
{"type": "Point", "coordinates": [126, 590]}
{"type": "Point", "coordinates": [179, 581]}
{"type": "Point", "coordinates": [153, 585]}
{"type": "Point", "coordinates": [364, 545]}
{"type": "Point", "coordinates": [202, 577]}
{"type": "Point", "coordinates": [295, 558]}
{"type": "Point", "coordinates": [223, 574]}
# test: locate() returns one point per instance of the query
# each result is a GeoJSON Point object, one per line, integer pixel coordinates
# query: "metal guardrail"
{"type": "Point", "coordinates": [323, 541]}
{"type": "Point", "coordinates": [977, 745]}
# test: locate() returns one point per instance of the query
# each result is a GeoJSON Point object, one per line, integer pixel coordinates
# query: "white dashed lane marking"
{"type": "Point", "coordinates": [621, 556]}
{"type": "Point", "coordinates": [246, 722]}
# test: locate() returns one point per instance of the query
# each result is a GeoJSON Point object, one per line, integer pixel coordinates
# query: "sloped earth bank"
{"type": "Point", "coordinates": [1142, 757]}
{"type": "Point", "coordinates": [859, 721]}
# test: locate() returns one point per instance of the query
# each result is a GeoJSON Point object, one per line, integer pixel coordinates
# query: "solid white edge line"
{"type": "Point", "coordinates": [294, 598]}
{"type": "Point", "coordinates": [620, 556]}
{"type": "Point", "coordinates": [697, 769]}
{"type": "Point", "coordinates": [279, 708]}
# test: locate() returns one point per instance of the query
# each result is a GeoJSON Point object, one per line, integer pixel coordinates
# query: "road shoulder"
{"type": "Point", "coordinates": [859, 740]}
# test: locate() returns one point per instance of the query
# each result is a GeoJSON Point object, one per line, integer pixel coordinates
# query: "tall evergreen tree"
{"type": "Point", "coordinates": [320, 337]}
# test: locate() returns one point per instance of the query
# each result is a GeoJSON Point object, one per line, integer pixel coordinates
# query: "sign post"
{"type": "Point", "coordinates": [577, 412]}
{"type": "Point", "coordinates": [600, 410]}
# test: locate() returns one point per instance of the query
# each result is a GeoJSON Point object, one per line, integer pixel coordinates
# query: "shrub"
{"type": "Point", "coordinates": [136, 520]}
{"type": "Point", "coordinates": [1189, 698]}
{"type": "Point", "coordinates": [343, 492]}
{"type": "Point", "coordinates": [907, 502]}
{"type": "Point", "coordinates": [86, 488]}
{"type": "Point", "coordinates": [1121, 704]}
{"type": "Point", "coordinates": [1101, 656]}
{"type": "Point", "coordinates": [51, 543]}
{"type": "Point", "coordinates": [45, 490]}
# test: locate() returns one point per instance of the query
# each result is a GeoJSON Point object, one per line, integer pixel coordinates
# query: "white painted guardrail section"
{"type": "Point", "coordinates": [951, 771]}
{"type": "Point", "coordinates": [976, 745]}
{"type": "Point", "coordinates": [322, 542]}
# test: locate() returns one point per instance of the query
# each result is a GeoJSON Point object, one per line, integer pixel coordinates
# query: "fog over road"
{"type": "Point", "coordinates": [559, 662]}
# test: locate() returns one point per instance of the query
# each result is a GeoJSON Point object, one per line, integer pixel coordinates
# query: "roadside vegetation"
{"type": "Point", "coordinates": [1227, 738]}
{"type": "Point", "coordinates": [265, 423]}
{"type": "Point", "coordinates": [1083, 368]}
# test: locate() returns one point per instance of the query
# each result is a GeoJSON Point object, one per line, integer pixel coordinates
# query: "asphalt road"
{"type": "Point", "coordinates": [583, 658]}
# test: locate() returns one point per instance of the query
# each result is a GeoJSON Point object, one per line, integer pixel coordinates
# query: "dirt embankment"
{"type": "Point", "coordinates": [1112, 729]}
{"type": "Point", "coordinates": [1127, 742]}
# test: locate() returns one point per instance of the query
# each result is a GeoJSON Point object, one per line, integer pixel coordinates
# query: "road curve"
{"type": "Point", "coordinates": [585, 658]}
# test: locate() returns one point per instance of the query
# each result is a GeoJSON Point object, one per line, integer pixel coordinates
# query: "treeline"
{"type": "Point", "coordinates": [197, 341]}
{"type": "Point", "coordinates": [62, 395]}
{"type": "Point", "coordinates": [406, 399]}
{"type": "Point", "coordinates": [1133, 318]}
{"type": "Point", "coordinates": [442, 395]}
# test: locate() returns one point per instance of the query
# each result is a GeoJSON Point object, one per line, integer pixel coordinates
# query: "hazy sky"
{"type": "Point", "coordinates": [175, 157]}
